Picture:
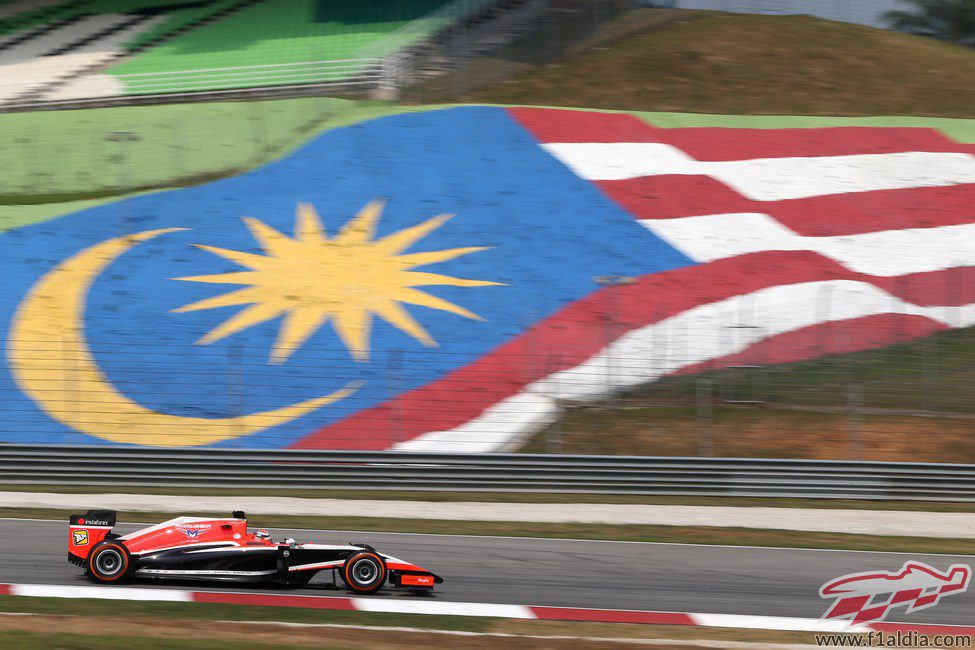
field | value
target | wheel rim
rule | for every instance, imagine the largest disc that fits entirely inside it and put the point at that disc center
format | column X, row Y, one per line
column 365, row 571
column 109, row 562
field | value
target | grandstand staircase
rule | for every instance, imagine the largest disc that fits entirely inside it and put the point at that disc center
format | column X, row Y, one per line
column 45, row 16
column 95, row 36
column 41, row 92
column 53, row 55
column 218, row 15
column 540, row 37
column 495, row 26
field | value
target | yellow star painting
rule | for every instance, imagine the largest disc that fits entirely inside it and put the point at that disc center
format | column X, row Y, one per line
column 311, row 279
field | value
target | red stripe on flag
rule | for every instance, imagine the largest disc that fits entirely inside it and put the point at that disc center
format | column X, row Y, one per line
column 273, row 600
column 725, row 143
column 720, row 143
column 558, row 125
column 951, row 287
column 611, row 616
column 579, row 330
column 660, row 197
column 673, row 196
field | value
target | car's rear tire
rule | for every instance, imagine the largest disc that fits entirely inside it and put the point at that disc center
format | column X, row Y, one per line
column 364, row 572
column 109, row 563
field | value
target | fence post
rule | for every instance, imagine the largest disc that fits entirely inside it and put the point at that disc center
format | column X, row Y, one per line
column 705, row 414
column 394, row 417
column 123, row 158
column 609, row 315
column 608, row 283
column 854, row 409
column 553, row 434
column 824, row 305
column 69, row 369
column 235, row 385
column 258, row 121
column 389, row 72
column 929, row 368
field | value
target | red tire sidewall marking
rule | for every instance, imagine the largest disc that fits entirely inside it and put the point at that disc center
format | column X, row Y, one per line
column 118, row 576
column 372, row 587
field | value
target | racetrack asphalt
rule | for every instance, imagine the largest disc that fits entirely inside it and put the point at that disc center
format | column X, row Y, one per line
column 556, row 572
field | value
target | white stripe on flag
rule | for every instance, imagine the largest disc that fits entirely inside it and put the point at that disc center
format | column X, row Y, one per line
column 883, row 253
column 701, row 333
column 770, row 179
column 500, row 425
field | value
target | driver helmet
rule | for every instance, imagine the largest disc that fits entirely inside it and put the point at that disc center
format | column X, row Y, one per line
column 262, row 534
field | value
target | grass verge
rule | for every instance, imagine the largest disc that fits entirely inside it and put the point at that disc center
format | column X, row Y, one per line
column 154, row 625
column 189, row 144
column 177, row 145
column 708, row 535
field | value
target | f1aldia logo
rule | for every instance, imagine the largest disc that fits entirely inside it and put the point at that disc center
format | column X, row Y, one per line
column 869, row 596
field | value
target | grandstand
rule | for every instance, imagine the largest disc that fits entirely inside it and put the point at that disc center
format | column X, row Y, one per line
column 82, row 49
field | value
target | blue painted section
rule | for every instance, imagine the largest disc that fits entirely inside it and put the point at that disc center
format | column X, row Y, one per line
column 549, row 232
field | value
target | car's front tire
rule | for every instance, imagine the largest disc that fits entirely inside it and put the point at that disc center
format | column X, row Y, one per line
column 109, row 563
column 364, row 572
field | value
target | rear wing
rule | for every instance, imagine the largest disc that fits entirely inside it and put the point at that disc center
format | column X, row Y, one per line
column 85, row 531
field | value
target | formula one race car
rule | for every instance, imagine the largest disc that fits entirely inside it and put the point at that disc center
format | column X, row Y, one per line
column 223, row 549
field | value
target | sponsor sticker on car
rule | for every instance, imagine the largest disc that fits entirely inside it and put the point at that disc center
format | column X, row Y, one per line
column 80, row 537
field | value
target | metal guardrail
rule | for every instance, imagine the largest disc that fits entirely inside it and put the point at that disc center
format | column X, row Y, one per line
column 299, row 470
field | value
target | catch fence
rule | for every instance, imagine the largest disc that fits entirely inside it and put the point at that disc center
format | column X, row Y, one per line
column 856, row 396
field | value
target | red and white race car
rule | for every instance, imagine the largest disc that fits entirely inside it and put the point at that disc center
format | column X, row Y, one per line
column 223, row 549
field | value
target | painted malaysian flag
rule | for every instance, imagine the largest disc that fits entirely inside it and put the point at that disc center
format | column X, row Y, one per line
column 437, row 280
column 819, row 241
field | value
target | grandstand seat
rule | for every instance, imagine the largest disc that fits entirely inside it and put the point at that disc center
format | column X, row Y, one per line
column 76, row 49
